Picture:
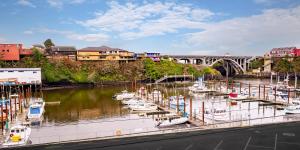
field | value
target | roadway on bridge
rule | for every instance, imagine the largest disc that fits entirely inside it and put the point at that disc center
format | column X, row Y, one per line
column 285, row 136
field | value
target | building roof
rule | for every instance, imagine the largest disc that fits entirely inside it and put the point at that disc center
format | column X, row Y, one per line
column 101, row 48
column 284, row 49
column 63, row 48
column 38, row 45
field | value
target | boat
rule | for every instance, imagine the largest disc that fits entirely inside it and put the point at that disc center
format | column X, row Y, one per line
column 143, row 107
column 294, row 108
column 132, row 101
column 236, row 96
column 36, row 110
column 171, row 121
column 156, row 94
column 218, row 114
column 181, row 104
column 124, row 95
column 18, row 136
column 199, row 87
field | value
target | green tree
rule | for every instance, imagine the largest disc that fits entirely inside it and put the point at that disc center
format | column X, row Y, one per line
column 283, row 66
column 296, row 68
column 37, row 55
column 255, row 64
column 48, row 43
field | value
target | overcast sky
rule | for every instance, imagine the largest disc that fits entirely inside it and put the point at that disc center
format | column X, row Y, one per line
column 202, row 27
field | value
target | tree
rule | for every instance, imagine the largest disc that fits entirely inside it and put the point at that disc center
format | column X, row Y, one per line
column 37, row 55
column 48, row 43
column 296, row 68
column 283, row 66
column 255, row 64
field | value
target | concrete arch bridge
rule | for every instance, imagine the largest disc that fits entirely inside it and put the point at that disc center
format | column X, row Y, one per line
column 234, row 64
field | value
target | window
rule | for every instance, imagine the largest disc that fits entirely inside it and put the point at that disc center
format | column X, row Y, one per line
column 22, row 130
column 7, row 50
column 34, row 72
column 10, row 71
column 12, row 131
column 17, row 131
column 21, row 71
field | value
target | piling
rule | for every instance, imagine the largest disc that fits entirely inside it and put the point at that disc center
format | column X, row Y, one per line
column 15, row 107
column 177, row 98
column 240, row 87
column 184, row 105
column 6, row 109
column 289, row 95
column 203, row 112
column 2, row 116
column 10, row 109
column 249, row 90
column 191, row 109
column 275, row 93
column 259, row 91
column 264, row 92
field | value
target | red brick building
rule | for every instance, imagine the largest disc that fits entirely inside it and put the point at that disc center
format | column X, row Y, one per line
column 10, row 52
column 13, row 52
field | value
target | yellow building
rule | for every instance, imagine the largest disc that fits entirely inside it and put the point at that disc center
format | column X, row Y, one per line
column 104, row 53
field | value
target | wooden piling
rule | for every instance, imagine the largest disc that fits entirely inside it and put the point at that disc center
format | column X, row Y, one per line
column 289, row 95
column 275, row 93
column 184, row 105
column 249, row 90
column 258, row 91
column 15, row 107
column 264, row 92
column 203, row 112
column 10, row 109
column 6, row 109
column 177, row 106
column 2, row 120
column 191, row 109
column 240, row 87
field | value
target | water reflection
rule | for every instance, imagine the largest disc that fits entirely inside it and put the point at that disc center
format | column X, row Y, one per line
column 82, row 104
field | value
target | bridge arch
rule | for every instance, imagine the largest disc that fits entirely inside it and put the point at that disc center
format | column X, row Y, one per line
column 238, row 68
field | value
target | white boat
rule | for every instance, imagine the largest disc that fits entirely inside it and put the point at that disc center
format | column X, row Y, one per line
column 124, row 95
column 173, row 100
column 218, row 114
column 18, row 136
column 199, row 87
column 170, row 121
column 132, row 101
column 36, row 110
column 294, row 108
column 143, row 107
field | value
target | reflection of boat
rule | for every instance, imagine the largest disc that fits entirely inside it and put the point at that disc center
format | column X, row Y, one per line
column 36, row 110
column 124, row 95
column 143, row 107
column 171, row 120
column 294, row 108
column 18, row 136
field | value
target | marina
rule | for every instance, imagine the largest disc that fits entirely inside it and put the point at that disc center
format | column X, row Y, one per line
column 84, row 113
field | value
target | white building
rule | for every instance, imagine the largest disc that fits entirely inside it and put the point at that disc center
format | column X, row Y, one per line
column 21, row 75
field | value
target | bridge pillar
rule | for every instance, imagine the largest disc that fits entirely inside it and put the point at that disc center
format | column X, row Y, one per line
column 245, row 65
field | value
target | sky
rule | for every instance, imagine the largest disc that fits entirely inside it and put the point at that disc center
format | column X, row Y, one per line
column 172, row 27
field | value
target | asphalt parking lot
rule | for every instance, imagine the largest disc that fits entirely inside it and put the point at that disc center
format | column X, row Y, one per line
column 284, row 136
